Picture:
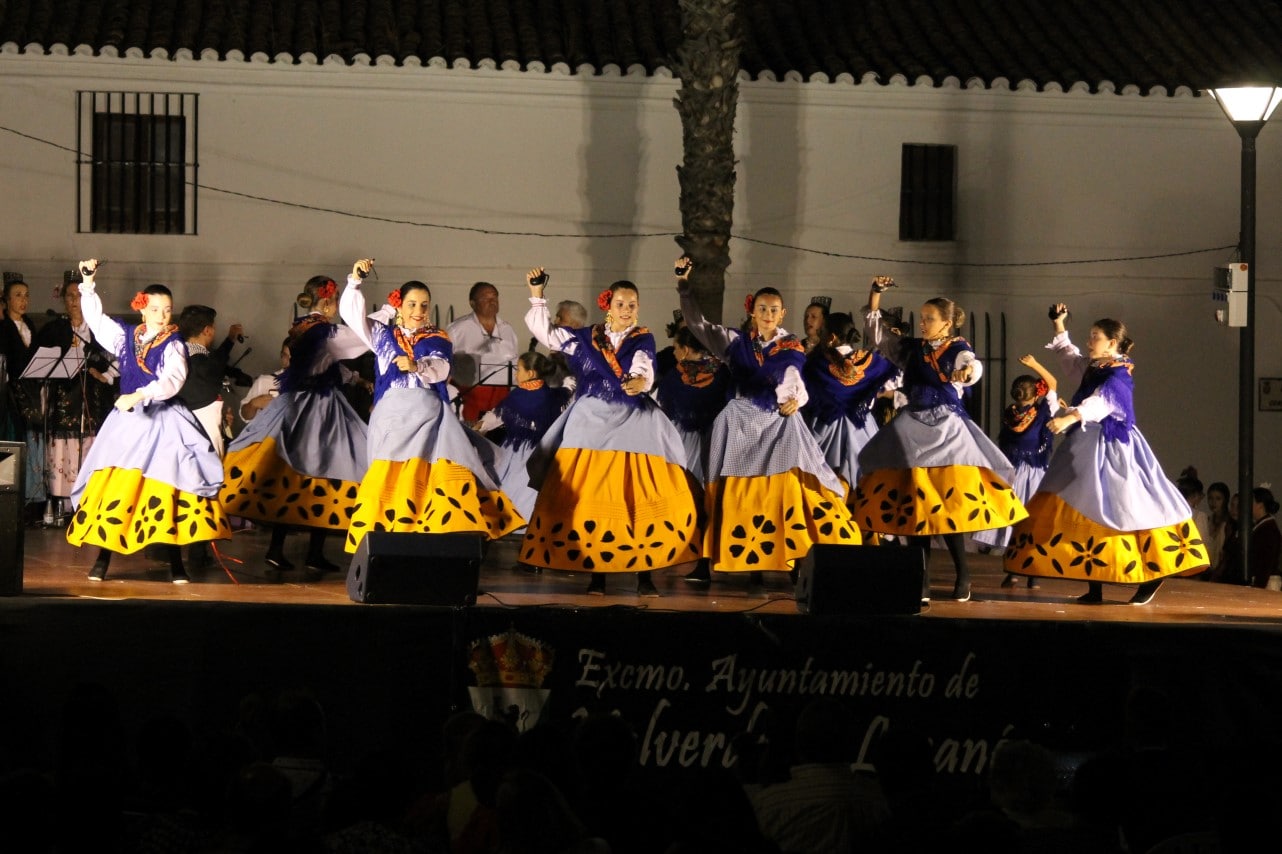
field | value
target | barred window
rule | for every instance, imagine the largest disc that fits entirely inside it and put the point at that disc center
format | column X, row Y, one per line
column 137, row 162
column 928, row 192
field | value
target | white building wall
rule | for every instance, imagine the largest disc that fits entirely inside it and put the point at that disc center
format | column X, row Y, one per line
column 505, row 159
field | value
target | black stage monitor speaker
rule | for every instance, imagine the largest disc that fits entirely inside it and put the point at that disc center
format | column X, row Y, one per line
column 416, row 569
column 860, row 580
column 13, row 467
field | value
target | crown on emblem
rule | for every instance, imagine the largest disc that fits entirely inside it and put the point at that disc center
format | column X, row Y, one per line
column 510, row 660
column 826, row 302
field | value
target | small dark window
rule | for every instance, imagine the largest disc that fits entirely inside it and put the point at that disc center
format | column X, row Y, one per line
column 138, row 163
column 928, row 192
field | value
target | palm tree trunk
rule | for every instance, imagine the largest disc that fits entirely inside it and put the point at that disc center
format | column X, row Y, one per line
column 708, row 65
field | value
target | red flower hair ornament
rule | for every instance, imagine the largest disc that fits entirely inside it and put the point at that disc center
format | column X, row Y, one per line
column 394, row 299
column 1042, row 388
column 748, row 302
column 327, row 290
column 139, row 302
column 604, row 298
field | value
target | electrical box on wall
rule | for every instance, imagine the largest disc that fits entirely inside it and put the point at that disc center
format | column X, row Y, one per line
column 1229, row 294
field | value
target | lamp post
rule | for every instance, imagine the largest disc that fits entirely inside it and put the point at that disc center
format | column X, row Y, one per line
column 1248, row 107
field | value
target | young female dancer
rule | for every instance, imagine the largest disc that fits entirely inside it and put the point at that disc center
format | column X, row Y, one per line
column 770, row 495
column 424, row 475
column 843, row 382
column 152, row 475
column 299, row 463
column 693, row 394
column 613, row 496
column 1105, row 512
column 1026, row 440
column 524, row 417
column 931, row 471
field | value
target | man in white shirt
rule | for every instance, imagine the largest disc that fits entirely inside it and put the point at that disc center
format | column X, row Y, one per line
column 485, row 351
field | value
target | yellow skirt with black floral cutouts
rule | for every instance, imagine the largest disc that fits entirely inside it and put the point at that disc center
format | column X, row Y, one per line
column 920, row 502
column 1057, row 541
column 124, row 511
column 260, row 485
column 767, row 522
column 612, row 511
column 416, row 496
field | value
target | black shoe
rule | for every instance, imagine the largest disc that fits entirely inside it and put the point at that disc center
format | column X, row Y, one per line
column 645, row 586
column 1093, row 596
column 961, row 592
column 99, row 570
column 320, row 564
column 756, row 585
column 1032, row 583
column 1146, row 592
column 701, row 575
column 316, row 566
column 530, row 570
column 1009, row 581
column 596, row 587
column 178, row 575
column 278, row 562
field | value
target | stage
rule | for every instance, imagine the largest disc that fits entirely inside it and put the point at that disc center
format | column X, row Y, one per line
column 694, row 670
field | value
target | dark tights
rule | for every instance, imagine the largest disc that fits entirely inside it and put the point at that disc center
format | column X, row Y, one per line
column 175, row 559
column 956, row 544
column 315, row 543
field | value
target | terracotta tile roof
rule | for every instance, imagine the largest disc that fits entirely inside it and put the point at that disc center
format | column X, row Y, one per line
column 1155, row 46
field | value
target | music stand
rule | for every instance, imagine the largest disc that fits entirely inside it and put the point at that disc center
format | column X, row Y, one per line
column 51, row 363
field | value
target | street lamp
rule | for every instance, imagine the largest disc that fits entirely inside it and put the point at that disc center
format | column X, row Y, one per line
column 1248, row 107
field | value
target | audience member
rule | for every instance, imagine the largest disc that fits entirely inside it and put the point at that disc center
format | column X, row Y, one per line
column 1191, row 488
column 1148, row 786
column 614, row 798
column 533, row 817
column 1217, row 507
column 1266, row 539
column 1230, row 569
column 825, row 806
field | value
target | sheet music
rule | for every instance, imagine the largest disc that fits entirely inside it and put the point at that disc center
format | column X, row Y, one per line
column 49, row 363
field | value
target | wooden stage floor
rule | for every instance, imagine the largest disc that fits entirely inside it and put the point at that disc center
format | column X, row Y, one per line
column 55, row 570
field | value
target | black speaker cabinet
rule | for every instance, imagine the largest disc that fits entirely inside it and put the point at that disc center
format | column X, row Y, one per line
column 13, row 468
column 860, row 580
column 416, row 569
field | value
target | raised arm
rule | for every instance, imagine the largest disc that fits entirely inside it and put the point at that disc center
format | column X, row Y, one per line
column 351, row 305
column 1030, row 361
column 105, row 330
column 1071, row 359
column 715, row 337
column 538, row 319
column 875, row 332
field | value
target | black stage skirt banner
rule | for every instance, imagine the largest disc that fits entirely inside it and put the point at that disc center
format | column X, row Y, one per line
column 700, row 690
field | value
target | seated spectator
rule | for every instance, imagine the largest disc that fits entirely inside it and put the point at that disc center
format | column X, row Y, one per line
column 825, row 805
column 533, row 817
